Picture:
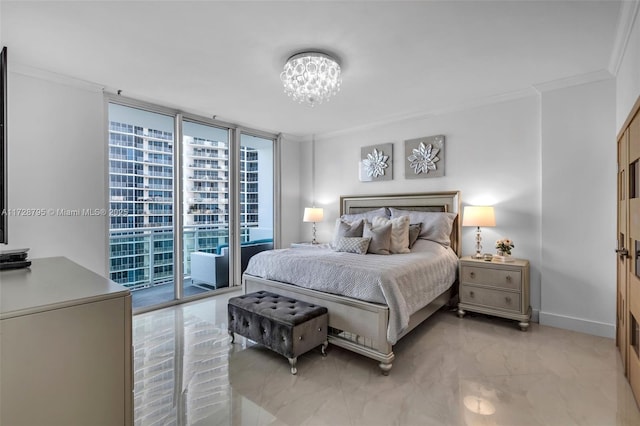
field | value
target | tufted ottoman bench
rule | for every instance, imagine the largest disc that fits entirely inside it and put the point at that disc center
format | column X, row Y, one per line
column 287, row 326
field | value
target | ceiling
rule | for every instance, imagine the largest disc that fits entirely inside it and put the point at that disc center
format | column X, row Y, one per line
column 399, row 59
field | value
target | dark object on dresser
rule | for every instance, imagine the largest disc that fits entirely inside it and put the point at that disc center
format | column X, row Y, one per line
column 287, row 326
column 14, row 259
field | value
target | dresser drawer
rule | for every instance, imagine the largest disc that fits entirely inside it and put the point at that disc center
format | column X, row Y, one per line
column 494, row 277
column 490, row 298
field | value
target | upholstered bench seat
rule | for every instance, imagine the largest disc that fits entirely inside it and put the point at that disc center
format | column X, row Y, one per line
column 287, row 326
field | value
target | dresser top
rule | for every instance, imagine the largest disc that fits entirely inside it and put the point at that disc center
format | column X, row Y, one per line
column 52, row 283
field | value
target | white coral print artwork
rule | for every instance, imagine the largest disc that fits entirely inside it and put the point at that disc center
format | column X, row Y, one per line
column 424, row 157
column 376, row 163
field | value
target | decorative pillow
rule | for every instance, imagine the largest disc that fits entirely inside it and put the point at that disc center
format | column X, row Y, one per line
column 399, row 232
column 436, row 226
column 347, row 229
column 369, row 215
column 380, row 237
column 358, row 245
column 414, row 231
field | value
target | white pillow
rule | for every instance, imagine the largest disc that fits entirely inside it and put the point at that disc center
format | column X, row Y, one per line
column 399, row 232
column 436, row 226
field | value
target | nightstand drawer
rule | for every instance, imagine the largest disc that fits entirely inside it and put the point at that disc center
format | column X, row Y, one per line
column 490, row 298
column 493, row 277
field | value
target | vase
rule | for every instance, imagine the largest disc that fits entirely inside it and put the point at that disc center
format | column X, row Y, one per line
column 503, row 256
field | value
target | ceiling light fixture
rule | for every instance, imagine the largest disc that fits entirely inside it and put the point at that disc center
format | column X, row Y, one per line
column 311, row 77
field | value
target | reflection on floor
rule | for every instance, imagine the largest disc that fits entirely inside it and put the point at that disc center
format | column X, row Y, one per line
column 449, row 371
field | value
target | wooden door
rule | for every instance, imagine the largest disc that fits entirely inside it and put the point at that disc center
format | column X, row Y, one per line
column 622, row 329
column 633, row 259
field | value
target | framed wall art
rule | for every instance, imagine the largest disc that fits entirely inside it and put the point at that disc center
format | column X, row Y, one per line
column 424, row 157
column 376, row 163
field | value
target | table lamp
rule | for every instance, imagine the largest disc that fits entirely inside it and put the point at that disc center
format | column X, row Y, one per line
column 478, row 216
column 313, row 215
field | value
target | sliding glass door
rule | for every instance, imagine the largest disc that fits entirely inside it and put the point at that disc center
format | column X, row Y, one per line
column 256, row 196
column 141, row 150
column 256, row 176
column 195, row 200
column 205, row 200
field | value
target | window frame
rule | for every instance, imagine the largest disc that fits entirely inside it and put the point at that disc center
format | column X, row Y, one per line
column 235, row 132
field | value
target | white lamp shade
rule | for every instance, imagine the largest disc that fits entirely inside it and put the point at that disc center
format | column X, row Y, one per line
column 478, row 216
column 313, row 214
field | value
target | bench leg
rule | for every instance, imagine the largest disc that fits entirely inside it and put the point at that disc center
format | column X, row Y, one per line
column 233, row 336
column 324, row 347
column 293, row 362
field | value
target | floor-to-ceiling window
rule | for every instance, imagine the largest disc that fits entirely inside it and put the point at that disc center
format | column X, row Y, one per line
column 205, row 200
column 179, row 180
column 141, row 150
column 256, row 195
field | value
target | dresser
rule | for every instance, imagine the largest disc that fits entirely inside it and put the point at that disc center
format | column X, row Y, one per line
column 495, row 288
column 65, row 346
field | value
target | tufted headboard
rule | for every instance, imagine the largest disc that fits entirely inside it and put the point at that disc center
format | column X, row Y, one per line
column 429, row 201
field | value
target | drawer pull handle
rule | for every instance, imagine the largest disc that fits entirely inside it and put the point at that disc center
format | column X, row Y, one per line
column 508, row 299
column 472, row 274
column 508, row 278
column 471, row 294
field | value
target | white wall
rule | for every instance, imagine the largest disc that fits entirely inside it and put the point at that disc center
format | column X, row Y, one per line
column 579, row 208
column 293, row 165
column 492, row 156
column 527, row 157
column 57, row 161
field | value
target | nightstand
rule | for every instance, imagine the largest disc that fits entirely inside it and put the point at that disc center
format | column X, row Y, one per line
column 495, row 288
column 309, row 245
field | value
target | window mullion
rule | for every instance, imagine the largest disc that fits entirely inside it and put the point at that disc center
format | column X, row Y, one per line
column 178, row 218
column 234, row 207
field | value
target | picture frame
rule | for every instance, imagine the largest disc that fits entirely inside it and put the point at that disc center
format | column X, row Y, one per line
column 424, row 157
column 376, row 163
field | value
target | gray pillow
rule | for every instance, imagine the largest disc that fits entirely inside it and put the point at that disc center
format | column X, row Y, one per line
column 399, row 233
column 347, row 229
column 380, row 238
column 436, row 226
column 358, row 245
column 414, row 232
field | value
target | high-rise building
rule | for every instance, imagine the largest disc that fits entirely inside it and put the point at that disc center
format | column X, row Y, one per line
column 141, row 182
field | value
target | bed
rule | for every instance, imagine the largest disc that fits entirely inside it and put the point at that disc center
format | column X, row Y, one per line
column 367, row 324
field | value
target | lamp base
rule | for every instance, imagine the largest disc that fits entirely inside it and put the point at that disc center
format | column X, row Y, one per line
column 478, row 254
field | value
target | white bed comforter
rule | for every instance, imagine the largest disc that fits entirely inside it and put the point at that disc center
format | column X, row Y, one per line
column 404, row 282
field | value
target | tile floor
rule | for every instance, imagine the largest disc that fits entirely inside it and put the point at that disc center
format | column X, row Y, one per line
column 449, row 371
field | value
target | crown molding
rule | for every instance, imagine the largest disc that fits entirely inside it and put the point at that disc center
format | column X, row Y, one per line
column 65, row 80
column 626, row 20
column 575, row 80
column 396, row 119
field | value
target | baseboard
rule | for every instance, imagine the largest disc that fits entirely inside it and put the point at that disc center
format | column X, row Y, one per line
column 578, row 324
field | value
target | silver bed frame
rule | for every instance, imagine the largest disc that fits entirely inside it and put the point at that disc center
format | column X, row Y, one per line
column 362, row 326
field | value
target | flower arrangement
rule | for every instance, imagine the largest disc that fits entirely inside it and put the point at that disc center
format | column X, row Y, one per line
column 504, row 245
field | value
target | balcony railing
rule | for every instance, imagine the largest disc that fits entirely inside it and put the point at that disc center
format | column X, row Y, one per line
column 133, row 251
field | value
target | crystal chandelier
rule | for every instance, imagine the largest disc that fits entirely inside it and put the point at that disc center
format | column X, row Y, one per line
column 311, row 77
